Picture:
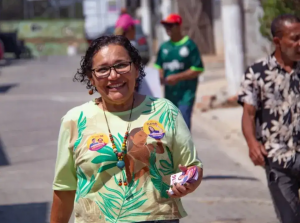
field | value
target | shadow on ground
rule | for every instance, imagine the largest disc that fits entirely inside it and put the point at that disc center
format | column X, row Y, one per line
column 6, row 87
column 228, row 177
column 25, row 213
column 3, row 158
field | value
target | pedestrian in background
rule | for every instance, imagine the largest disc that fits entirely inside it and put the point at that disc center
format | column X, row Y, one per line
column 179, row 64
column 270, row 95
column 125, row 26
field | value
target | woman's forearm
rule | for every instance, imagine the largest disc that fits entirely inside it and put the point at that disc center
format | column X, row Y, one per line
column 62, row 207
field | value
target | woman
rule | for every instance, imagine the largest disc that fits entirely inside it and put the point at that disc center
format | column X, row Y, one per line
column 125, row 26
column 122, row 182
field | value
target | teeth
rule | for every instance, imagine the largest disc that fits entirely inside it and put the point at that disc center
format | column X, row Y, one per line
column 116, row 85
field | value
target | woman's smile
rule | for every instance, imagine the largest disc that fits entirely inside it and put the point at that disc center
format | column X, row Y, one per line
column 116, row 86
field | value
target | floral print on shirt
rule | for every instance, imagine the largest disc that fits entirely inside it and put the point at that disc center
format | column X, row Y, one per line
column 275, row 93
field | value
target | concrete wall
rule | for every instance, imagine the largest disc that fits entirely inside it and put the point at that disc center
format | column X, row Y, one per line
column 218, row 27
column 256, row 46
column 48, row 37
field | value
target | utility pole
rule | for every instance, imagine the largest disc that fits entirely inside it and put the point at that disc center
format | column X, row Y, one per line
column 146, row 22
column 233, row 44
column 166, row 9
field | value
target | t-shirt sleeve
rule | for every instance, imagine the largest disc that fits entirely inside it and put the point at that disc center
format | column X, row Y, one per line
column 195, row 59
column 249, row 89
column 65, row 172
column 159, row 63
column 184, row 150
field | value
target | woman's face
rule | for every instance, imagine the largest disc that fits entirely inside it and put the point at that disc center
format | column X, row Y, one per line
column 115, row 88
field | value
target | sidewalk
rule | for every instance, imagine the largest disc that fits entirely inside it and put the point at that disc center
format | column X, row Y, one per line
column 224, row 124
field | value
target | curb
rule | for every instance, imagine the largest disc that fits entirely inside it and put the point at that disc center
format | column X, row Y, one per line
column 230, row 142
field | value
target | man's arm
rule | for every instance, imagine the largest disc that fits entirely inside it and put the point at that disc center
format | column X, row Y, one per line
column 256, row 149
column 161, row 76
column 62, row 207
column 187, row 75
column 248, row 122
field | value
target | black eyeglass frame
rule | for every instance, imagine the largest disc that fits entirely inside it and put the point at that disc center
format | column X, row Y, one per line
column 114, row 67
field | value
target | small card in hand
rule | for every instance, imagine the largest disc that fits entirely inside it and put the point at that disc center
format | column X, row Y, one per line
column 190, row 176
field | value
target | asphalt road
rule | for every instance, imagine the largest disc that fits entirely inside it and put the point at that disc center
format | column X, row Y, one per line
column 35, row 94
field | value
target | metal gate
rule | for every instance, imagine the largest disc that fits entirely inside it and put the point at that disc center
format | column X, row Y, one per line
column 197, row 23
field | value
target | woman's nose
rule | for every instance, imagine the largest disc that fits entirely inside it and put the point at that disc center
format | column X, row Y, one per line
column 113, row 74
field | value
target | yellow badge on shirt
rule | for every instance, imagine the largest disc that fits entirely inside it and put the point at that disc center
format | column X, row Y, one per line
column 154, row 129
column 97, row 141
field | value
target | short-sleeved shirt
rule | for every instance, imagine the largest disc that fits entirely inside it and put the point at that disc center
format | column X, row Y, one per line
column 177, row 57
column 275, row 93
column 158, row 142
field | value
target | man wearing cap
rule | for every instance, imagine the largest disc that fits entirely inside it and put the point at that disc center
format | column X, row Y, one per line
column 179, row 64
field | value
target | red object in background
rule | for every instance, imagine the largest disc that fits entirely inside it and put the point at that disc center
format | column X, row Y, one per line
column 142, row 41
column 89, row 41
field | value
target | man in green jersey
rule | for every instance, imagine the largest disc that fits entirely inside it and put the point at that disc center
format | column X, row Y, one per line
column 180, row 64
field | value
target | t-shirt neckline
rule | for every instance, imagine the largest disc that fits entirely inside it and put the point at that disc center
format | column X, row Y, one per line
column 127, row 112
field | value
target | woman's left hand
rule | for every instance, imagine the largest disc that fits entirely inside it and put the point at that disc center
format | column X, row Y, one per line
column 182, row 190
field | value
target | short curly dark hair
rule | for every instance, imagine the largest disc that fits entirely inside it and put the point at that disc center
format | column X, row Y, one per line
column 85, row 71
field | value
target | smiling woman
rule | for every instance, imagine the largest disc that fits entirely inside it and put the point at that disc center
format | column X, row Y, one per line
column 117, row 152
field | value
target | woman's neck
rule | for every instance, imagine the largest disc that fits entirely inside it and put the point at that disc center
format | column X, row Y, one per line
column 125, row 106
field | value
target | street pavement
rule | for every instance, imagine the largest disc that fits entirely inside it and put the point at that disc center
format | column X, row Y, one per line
column 35, row 94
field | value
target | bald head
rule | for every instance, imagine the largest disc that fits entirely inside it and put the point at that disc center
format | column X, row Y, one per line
column 280, row 22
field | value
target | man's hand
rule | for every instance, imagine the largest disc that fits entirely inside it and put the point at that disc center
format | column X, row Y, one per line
column 171, row 80
column 257, row 152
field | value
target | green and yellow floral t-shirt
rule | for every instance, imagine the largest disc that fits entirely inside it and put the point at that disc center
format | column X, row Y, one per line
column 158, row 142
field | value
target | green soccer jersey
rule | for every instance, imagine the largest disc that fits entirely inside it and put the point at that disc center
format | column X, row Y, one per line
column 177, row 57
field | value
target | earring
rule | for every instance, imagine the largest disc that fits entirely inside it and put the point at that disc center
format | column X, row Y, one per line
column 91, row 91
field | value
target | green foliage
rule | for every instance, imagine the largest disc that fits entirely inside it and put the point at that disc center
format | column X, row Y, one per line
column 122, row 204
column 167, row 168
column 169, row 112
column 156, row 178
column 84, row 185
column 107, row 158
column 81, row 125
column 274, row 8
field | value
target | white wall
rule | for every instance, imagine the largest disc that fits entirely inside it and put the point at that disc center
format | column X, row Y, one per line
column 256, row 45
column 218, row 27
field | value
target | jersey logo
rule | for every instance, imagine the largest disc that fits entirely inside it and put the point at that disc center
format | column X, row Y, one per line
column 165, row 51
column 174, row 65
column 184, row 51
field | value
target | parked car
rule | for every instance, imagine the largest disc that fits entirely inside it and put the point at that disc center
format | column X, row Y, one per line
column 140, row 39
column 12, row 44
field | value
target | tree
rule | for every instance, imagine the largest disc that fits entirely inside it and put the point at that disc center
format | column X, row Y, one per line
column 274, row 8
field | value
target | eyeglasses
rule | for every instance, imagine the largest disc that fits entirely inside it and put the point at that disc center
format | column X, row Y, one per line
column 120, row 68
